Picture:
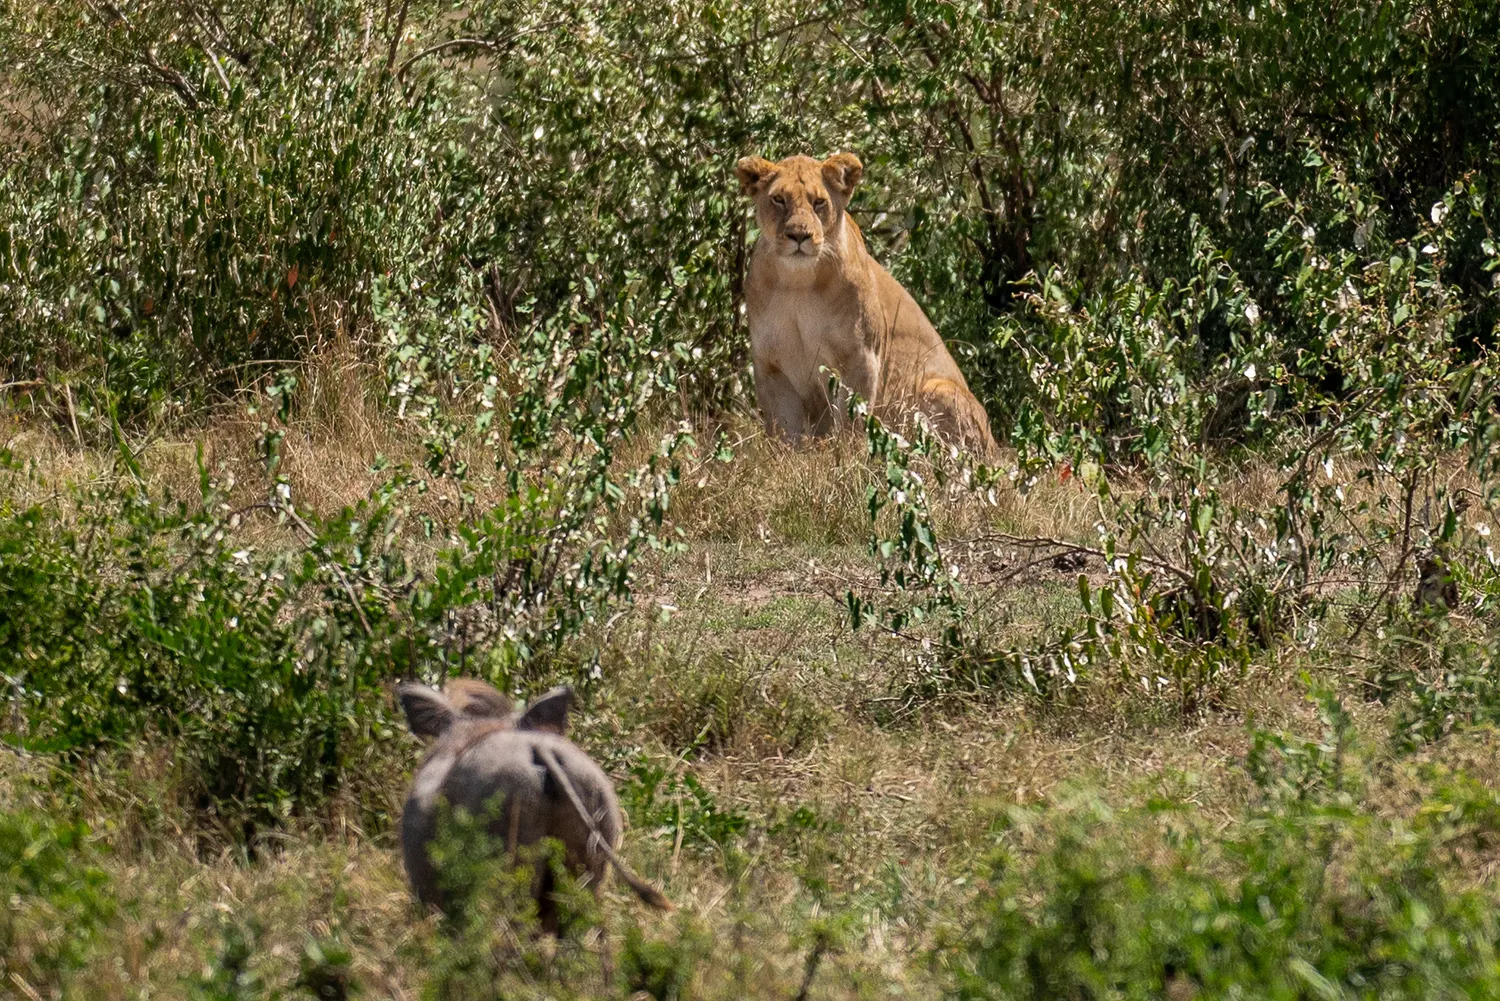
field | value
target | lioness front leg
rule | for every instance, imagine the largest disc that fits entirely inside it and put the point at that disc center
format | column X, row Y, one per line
column 781, row 409
column 858, row 372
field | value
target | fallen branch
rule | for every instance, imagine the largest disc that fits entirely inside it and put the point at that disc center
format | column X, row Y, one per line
column 1039, row 542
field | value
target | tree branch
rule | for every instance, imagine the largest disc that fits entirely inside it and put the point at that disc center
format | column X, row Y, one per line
column 179, row 83
column 390, row 58
column 1038, row 542
column 312, row 539
column 474, row 43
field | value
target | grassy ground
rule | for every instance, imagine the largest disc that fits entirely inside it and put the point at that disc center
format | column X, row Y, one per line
column 784, row 789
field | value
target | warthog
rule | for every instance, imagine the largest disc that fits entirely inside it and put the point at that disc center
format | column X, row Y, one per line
column 520, row 772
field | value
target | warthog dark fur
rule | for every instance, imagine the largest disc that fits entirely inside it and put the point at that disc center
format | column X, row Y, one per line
column 517, row 770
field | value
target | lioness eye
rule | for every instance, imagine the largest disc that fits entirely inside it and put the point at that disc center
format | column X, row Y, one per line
column 820, row 204
column 778, row 201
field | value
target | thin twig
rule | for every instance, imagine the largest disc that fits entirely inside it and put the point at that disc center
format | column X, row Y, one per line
column 72, row 416
column 218, row 67
column 24, row 987
column 1387, row 593
column 476, row 43
column 312, row 538
column 1012, row 573
column 779, row 30
column 253, row 363
column 390, row 58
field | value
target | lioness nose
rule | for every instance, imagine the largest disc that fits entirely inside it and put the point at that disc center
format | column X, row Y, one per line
column 797, row 232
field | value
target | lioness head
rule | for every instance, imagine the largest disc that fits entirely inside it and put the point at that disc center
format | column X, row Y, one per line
column 800, row 201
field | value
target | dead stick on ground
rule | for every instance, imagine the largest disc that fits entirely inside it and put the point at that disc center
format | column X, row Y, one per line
column 814, row 959
column 72, row 415
column 1038, row 542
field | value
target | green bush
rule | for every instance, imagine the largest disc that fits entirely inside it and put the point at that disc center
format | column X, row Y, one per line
column 1358, row 393
column 54, row 897
column 492, row 948
column 229, row 973
column 146, row 623
column 663, row 969
column 1441, row 684
column 265, row 673
column 680, row 806
column 193, row 197
column 1168, row 242
column 1312, row 892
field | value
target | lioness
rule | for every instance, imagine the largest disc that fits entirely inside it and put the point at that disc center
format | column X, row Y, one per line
column 816, row 298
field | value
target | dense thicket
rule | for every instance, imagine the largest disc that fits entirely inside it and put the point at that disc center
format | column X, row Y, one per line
column 191, row 192
column 1154, row 230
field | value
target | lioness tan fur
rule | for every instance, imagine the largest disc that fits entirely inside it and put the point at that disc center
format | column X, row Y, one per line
column 817, row 299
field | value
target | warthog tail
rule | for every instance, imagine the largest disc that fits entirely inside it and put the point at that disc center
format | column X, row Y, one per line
column 648, row 893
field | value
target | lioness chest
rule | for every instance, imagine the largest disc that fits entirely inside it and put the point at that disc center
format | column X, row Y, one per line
column 800, row 331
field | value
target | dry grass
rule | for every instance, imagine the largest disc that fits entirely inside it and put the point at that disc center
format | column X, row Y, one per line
column 901, row 815
column 735, row 668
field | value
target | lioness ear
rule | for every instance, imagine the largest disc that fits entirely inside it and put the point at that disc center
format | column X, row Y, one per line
column 841, row 172
column 550, row 712
column 428, row 713
column 753, row 171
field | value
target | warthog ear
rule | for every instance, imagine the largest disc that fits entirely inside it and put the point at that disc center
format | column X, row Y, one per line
column 841, row 172
column 473, row 697
column 428, row 713
column 550, row 712
column 753, row 171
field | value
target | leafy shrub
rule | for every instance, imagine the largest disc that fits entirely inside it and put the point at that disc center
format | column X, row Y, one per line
column 661, row 968
column 56, row 898
column 173, row 635
column 229, row 974
column 249, row 182
column 1312, row 893
column 265, row 673
column 1357, row 395
column 718, row 702
column 1444, row 685
column 492, row 947
column 254, row 185
column 325, row 972
column 575, row 516
column 241, row 179
column 676, row 803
